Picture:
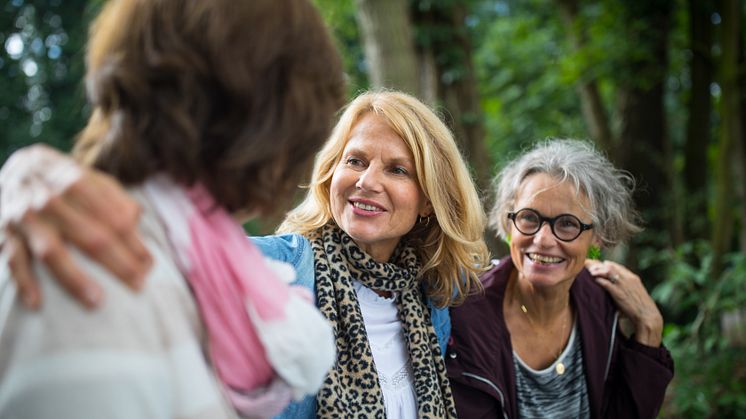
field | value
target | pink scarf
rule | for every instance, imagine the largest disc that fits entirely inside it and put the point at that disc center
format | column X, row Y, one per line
column 267, row 341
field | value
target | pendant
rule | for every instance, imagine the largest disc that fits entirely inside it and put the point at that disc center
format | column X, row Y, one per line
column 560, row 368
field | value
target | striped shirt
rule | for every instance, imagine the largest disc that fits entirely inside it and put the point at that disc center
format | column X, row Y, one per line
column 546, row 394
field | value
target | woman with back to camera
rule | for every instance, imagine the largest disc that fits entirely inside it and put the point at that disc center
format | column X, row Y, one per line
column 389, row 235
column 543, row 340
column 192, row 101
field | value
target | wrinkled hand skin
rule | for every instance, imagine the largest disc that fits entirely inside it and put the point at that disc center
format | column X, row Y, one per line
column 631, row 298
column 48, row 201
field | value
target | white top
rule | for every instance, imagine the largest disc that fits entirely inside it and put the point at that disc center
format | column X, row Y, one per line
column 390, row 354
column 139, row 355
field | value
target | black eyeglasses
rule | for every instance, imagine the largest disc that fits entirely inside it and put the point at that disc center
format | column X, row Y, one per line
column 565, row 227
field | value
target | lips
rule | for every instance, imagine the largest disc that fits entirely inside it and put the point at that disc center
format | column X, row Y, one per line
column 544, row 259
column 366, row 207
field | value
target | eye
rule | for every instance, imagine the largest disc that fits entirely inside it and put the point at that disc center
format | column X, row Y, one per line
column 528, row 217
column 399, row 170
column 568, row 223
column 353, row 161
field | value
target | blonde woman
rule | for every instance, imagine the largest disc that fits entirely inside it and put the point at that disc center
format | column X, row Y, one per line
column 388, row 236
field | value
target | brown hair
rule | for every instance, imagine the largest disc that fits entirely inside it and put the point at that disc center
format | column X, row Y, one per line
column 235, row 94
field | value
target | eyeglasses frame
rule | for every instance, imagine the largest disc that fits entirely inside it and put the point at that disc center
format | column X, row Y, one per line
column 550, row 221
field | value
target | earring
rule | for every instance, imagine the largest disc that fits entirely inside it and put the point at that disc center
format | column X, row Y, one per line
column 426, row 221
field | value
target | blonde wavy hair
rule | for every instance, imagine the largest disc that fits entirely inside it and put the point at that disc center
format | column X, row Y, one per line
column 451, row 245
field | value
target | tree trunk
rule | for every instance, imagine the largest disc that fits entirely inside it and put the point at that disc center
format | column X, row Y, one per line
column 643, row 146
column 461, row 98
column 698, row 125
column 591, row 104
column 730, row 133
column 741, row 157
column 389, row 44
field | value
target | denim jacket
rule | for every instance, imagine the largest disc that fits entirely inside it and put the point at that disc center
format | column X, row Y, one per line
column 296, row 250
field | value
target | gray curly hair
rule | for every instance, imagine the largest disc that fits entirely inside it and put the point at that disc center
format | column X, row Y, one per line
column 608, row 189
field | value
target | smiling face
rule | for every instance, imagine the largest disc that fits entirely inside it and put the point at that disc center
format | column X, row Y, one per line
column 375, row 196
column 542, row 259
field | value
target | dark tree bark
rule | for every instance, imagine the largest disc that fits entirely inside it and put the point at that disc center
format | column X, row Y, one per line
column 594, row 111
column 457, row 90
column 698, row 124
column 644, row 147
column 731, row 132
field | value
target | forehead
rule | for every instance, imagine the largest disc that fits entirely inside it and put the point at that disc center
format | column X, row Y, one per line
column 551, row 196
column 372, row 134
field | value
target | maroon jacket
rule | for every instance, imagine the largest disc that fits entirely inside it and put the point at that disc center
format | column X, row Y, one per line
column 624, row 378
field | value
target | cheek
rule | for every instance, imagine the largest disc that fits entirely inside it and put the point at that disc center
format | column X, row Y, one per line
column 413, row 206
column 336, row 194
column 515, row 252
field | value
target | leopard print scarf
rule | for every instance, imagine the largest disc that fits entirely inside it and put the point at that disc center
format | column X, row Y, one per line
column 351, row 390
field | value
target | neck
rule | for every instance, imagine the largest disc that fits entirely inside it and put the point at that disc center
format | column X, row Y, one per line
column 543, row 306
column 380, row 253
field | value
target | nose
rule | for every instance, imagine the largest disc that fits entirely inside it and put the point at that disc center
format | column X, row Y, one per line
column 544, row 237
column 369, row 180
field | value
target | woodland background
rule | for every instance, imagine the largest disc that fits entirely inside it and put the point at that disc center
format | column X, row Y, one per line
column 659, row 85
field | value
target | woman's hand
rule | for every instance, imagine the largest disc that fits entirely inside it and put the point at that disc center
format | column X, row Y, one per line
column 47, row 200
column 632, row 298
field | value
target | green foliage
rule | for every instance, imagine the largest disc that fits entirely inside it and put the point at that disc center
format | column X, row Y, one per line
column 525, row 97
column 339, row 16
column 41, row 68
column 710, row 376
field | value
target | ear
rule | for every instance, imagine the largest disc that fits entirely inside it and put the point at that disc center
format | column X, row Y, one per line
column 426, row 209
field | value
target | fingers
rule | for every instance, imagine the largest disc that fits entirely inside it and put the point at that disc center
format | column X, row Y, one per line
column 122, row 254
column 105, row 199
column 631, row 297
column 46, row 245
column 19, row 262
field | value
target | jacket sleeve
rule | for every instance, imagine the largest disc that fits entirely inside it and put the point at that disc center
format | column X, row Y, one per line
column 293, row 249
column 303, row 409
column 638, row 381
column 442, row 324
column 473, row 403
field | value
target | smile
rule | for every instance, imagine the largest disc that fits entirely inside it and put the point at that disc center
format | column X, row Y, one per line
column 543, row 259
column 366, row 207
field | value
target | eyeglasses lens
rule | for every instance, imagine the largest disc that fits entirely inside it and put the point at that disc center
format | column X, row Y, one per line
column 566, row 227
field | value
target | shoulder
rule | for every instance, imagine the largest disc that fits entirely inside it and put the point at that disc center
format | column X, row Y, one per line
column 590, row 298
column 293, row 249
column 484, row 302
column 478, row 323
column 286, row 247
column 498, row 275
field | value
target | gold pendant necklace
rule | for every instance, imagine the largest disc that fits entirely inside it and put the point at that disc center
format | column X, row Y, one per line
column 559, row 367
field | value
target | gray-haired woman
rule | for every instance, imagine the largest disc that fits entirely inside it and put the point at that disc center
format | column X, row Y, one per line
column 543, row 339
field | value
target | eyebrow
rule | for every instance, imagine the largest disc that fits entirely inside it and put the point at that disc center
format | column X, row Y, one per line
column 406, row 161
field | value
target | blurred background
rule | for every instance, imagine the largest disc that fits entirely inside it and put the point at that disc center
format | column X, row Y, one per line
column 660, row 86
